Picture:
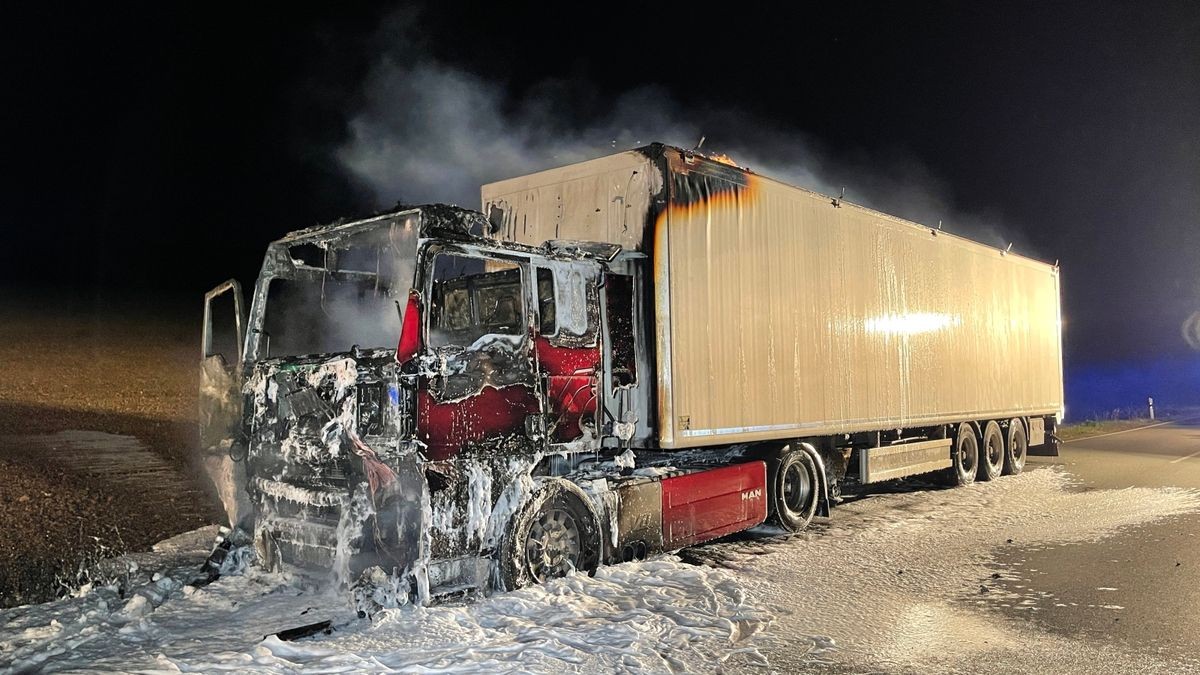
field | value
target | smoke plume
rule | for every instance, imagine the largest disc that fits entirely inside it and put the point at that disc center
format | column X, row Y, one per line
column 430, row 132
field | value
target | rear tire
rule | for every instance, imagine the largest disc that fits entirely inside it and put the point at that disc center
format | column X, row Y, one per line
column 1016, row 447
column 552, row 534
column 991, row 453
column 965, row 456
column 793, row 488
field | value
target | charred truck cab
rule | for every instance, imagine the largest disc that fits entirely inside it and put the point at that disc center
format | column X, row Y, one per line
column 431, row 401
column 490, row 446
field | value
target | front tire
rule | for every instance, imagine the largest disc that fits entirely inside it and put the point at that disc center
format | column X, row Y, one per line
column 553, row 534
column 991, row 456
column 794, row 490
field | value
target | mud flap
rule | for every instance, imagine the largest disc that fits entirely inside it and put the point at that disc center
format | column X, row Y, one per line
column 1047, row 449
column 1042, row 440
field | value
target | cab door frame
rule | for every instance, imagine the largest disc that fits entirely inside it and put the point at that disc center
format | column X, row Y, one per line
column 222, row 445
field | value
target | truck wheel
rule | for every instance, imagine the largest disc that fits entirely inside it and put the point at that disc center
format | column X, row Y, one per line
column 991, row 456
column 1015, row 447
column 794, row 490
column 553, row 534
column 966, row 456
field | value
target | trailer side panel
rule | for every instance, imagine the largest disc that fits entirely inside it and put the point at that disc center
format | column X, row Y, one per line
column 791, row 314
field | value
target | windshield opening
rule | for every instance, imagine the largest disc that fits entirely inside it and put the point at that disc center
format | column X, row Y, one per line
column 328, row 294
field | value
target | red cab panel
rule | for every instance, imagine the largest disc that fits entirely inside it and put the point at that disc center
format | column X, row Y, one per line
column 566, row 360
column 570, row 384
column 410, row 331
column 490, row 414
column 709, row 504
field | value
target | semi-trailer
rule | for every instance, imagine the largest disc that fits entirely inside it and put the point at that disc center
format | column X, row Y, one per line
column 612, row 359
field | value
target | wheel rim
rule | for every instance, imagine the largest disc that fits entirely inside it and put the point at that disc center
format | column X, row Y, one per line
column 1018, row 449
column 995, row 451
column 966, row 458
column 797, row 488
column 552, row 547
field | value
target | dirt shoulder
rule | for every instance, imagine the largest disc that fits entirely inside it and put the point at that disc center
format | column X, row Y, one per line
column 125, row 367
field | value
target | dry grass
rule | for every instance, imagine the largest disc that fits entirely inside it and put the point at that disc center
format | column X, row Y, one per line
column 1070, row 432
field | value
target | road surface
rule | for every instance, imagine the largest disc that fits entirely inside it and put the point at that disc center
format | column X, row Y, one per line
column 1153, row 569
column 1084, row 563
column 1093, row 571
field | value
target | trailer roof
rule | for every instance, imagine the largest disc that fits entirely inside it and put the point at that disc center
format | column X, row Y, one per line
column 657, row 152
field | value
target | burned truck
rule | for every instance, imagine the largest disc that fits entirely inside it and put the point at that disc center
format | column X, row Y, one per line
column 612, row 359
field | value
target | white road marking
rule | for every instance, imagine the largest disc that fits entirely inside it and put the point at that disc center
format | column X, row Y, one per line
column 1123, row 431
column 1176, row 461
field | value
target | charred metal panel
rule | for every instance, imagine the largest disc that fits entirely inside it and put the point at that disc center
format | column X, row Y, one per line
column 628, row 352
column 606, row 199
column 427, row 220
column 708, row 504
column 221, row 439
column 620, row 299
column 570, row 377
column 332, row 483
column 463, row 373
column 568, row 343
column 477, row 374
column 572, row 400
column 565, row 360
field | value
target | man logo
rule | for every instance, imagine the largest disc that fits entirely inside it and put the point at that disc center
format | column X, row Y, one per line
column 756, row 493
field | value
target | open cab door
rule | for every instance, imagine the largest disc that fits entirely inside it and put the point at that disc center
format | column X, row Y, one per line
column 221, row 444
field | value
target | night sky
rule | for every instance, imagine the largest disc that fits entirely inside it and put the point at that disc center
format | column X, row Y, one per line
column 162, row 148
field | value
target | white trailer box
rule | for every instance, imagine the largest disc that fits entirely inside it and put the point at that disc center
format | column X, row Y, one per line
column 780, row 312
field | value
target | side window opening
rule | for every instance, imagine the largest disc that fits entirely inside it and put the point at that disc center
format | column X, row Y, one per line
column 224, row 343
column 568, row 304
column 472, row 298
column 619, row 299
column 545, row 293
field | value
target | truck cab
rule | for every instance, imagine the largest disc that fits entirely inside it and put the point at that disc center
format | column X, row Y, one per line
column 451, row 410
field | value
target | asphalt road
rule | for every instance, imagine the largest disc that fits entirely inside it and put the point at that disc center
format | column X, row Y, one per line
column 1151, row 572
column 1087, row 563
column 1026, row 574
